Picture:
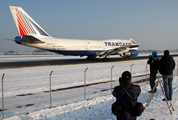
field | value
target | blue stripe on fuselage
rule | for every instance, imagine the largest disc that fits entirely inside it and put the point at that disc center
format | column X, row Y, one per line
column 77, row 52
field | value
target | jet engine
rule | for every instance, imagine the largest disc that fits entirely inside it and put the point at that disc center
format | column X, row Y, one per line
column 130, row 53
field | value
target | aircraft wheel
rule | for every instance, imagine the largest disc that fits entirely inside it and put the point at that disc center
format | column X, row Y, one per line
column 91, row 57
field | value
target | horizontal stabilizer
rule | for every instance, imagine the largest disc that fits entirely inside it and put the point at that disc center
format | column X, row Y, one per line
column 31, row 39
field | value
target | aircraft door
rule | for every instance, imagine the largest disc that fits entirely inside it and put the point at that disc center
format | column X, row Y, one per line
column 87, row 46
column 103, row 46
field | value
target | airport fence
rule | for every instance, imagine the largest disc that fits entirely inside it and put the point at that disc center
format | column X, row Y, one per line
column 25, row 91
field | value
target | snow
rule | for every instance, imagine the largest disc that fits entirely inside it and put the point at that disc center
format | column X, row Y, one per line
column 74, row 107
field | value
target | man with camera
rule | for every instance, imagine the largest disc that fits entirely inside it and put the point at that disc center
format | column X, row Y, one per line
column 153, row 61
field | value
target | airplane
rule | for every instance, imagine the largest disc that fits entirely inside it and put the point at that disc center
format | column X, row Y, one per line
column 32, row 35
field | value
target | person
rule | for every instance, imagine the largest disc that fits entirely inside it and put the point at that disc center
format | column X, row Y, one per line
column 153, row 61
column 166, row 67
column 119, row 94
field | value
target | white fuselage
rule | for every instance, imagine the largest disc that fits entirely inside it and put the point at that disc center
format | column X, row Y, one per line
column 51, row 43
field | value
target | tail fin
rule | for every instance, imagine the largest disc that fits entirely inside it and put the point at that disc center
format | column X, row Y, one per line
column 25, row 24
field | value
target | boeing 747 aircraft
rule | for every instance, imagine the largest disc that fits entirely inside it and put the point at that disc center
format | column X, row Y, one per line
column 31, row 34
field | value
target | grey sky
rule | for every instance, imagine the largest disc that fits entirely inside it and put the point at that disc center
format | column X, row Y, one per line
column 152, row 23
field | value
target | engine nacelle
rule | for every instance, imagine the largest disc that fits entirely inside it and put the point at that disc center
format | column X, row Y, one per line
column 18, row 40
column 130, row 53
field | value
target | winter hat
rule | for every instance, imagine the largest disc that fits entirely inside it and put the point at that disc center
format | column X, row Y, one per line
column 154, row 53
column 166, row 52
column 126, row 75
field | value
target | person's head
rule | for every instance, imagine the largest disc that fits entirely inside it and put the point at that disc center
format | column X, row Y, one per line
column 126, row 76
column 166, row 52
column 154, row 53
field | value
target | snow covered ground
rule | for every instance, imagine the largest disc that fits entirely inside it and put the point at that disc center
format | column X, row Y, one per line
column 36, row 79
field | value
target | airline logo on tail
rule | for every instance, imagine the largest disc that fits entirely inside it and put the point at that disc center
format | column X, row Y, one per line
column 26, row 24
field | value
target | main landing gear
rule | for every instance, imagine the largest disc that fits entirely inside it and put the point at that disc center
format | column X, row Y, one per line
column 91, row 58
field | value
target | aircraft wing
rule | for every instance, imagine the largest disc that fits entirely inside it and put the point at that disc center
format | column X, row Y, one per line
column 119, row 50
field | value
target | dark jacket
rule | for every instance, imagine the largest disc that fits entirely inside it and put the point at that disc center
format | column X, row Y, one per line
column 119, row 94
column 166, row 65
column 154, row 64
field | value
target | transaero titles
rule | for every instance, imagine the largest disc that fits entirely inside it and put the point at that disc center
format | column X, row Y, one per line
column 116, row 44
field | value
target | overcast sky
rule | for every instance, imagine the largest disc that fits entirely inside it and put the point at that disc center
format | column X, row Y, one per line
column 152, row 23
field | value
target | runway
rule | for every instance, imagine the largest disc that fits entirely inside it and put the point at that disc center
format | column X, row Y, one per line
column 63, row 61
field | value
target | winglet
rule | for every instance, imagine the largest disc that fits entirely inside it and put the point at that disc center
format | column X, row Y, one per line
column 132, row 41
